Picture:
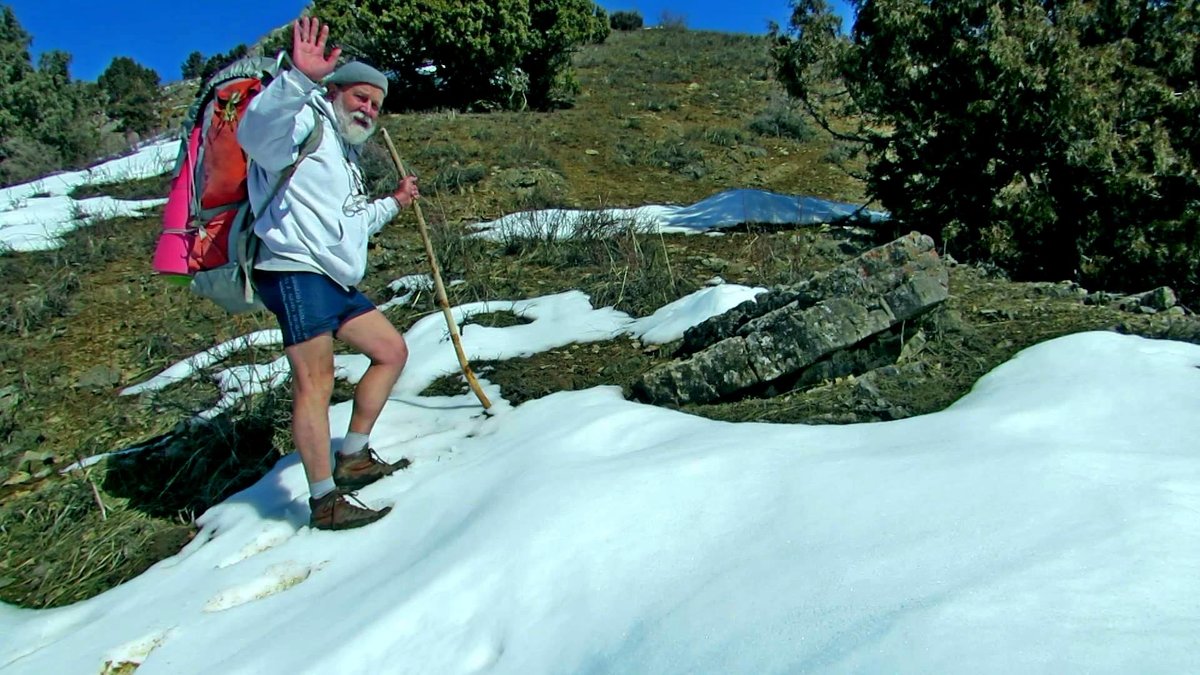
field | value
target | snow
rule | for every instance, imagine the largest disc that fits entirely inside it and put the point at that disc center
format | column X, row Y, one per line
column 189, row 366
column 1046, row 522
column 670, row 321
column 408, row 287
column 555, row 321
column 35, row 215
column 722, row 210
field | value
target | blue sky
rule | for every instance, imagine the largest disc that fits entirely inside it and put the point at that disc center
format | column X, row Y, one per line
column 161, row 33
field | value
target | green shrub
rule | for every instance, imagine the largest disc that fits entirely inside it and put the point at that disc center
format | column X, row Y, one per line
column 536, row 232
column 154, row 187
column 527, row 151
column 665, row 74
column 458, row 253
column 193, row 66
column 726, row 137
column 47, row 121
column 599, row 29
column 379, row 169
column 442, row 153
column 131, row 93
column 1056, row 139
column 674, row 154
column 23, row 158
column 659, row 105
column 38, row 286
column 679, row 157
column 29, row 306
column 488, row 53
column 625, row 20
column 457, row 178
column 782, row 121
column 557, row 28
column 636, row 275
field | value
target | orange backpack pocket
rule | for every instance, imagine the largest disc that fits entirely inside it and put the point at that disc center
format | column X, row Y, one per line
column 210, row 248
column 224, row 162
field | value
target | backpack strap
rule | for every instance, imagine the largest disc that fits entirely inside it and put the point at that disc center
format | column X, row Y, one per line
column 247, row 243
column 308, row 147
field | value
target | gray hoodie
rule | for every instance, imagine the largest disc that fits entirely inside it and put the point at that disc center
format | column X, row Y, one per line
column 322, row 218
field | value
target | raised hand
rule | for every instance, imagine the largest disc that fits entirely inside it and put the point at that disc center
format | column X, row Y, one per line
column 308, row 48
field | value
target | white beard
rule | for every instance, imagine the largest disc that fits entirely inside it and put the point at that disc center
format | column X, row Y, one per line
column 352, row 132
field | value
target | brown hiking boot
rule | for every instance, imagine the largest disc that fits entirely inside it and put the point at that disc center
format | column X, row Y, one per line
column 335, row 512
column 354, row 472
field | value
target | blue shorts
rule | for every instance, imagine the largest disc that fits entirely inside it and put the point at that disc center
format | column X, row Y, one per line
column 308, row 304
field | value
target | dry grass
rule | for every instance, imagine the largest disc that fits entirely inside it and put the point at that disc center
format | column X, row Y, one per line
column 97, row 527
column 154, row 187
column 37, row 287
column 661, row 117
column 60, row 547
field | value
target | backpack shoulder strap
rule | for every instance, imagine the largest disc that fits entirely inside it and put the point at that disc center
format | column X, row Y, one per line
column 246, row 246
column 308, row 147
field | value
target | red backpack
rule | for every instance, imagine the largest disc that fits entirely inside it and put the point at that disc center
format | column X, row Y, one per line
column 208, row 223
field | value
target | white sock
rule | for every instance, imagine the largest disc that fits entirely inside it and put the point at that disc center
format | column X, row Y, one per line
column 353, row 443
column 321, row 488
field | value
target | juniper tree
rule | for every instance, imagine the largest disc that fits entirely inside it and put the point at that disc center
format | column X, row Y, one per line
column 486, row 53
column 193, row 66
column 132, row 94
column 1054, row 137
column 47, row 121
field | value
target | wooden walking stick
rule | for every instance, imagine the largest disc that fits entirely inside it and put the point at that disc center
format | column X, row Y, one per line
column 439, row 288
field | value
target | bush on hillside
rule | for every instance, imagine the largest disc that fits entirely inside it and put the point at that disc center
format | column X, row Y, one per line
column 467, row 53
column 782, row 121
column 131, row 94
column 216, row 62
column 278, row 40
column 193, row 66
column 1055, row 138
column 600, row 29
column 47, row 122
column 557, row 28
column 15, row 67
column 625, row 21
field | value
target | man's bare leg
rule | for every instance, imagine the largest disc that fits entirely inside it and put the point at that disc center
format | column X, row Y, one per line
column 374, row 336
column 312, row 387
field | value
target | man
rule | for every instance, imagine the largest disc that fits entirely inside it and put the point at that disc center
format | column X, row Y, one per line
column 313, row 253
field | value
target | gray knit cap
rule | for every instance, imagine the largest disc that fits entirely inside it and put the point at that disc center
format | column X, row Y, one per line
column 356, row 72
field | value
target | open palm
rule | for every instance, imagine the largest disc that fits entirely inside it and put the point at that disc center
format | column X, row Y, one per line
column 308, row 49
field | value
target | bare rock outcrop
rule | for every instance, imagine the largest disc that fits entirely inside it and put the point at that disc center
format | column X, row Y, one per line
column 828, row 320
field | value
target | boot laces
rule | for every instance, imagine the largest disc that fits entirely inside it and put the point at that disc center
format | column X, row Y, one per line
column 350, row 496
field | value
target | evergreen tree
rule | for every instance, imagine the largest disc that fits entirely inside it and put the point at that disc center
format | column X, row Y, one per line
column 132, row 94
column 47, row 122
column 557, row 28
column 15, row 66
column 487, row 53
column 631, row 20
column 218, row 61
column 1054, row 137
column 193, row 66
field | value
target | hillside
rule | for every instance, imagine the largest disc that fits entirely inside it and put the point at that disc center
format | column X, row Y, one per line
column 663, row 117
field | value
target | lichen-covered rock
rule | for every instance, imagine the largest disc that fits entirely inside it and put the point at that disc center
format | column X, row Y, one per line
column 789, row 330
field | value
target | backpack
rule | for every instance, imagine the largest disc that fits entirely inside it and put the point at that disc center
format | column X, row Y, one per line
column 208, row 238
